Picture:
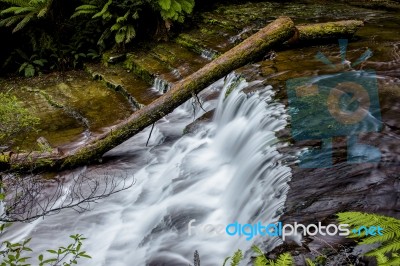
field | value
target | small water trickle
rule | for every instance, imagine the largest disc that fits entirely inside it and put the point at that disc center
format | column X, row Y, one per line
column 161, row 85
column 208, row 54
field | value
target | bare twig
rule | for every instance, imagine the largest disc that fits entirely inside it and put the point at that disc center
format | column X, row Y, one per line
column 151, row 131
column 31, row 197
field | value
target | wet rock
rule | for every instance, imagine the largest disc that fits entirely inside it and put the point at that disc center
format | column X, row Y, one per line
column 197, row 124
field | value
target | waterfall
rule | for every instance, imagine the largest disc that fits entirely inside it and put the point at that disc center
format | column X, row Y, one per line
column 229, row 170
column 161, row 85
column 208, row 54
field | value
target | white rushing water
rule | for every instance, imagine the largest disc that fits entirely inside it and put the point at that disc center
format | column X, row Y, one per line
column 228, row 170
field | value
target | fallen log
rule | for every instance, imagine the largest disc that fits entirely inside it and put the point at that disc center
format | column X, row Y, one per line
column 309, row 33
column 250, row 49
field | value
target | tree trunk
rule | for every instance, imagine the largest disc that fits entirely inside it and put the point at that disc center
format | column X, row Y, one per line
column 276, row 33
column 250, row 49
column 306, row 34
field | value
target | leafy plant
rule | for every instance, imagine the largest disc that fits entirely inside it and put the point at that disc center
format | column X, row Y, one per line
column 235, row 259
column 16, row 254
column 117, row 16
column 175, row 9
column 32, row 66
column 388, row 253
column 23, row 11
column 284, row 259
column 310, row 262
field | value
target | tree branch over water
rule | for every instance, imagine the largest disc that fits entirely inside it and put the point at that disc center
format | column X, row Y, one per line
column 31, row 197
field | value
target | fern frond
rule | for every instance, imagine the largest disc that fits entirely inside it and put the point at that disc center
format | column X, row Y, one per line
column 285, row 259
column 390, row 240
column 260, row 260
column 85, row 10
column 23, row 22
column 390, row 225
column 24, row 12
column 21, row 10
column 310, row 262
column 10, row 21
column 130, row 33
column 389, row 247
column 391, row 262
column 44, row 8
column 381, row 258
column 104, row 10
column 237, row 258
column 16, row 2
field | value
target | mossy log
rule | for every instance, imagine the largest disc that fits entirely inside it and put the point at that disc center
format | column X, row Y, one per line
column 309, row 33
column 250, row 49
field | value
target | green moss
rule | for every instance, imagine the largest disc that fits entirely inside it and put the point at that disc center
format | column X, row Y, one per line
column 50, row 99
column 328, row 30
column 4, row 158
column 190, row 43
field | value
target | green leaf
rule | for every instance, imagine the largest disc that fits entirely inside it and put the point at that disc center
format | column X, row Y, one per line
column 120, row 35
column 165, row 4
column 116, row 27
column 29, row 71
column 49, row 260
column 104, row 10
column 52, row 251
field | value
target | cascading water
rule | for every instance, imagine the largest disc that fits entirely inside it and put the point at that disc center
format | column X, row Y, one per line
column 161, row 85
column 229, row 170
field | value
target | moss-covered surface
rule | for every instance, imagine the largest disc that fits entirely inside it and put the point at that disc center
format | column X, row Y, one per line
column 55, row 125
column 124, row 81
column 146, row 66
column 180, row 58
column 329, row 30
column 67, row 106
column 101, row 106
column 208, row 48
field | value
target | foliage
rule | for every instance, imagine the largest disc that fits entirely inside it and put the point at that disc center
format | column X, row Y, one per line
column 175, row 9
column 310, row 262
column 14, row 119
column 235, row 259
column 284, row 259
column 22, row 12
column 16, row 254
column 57, row 35
column 388, row 253
column 31, row 65
column 118, row 17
